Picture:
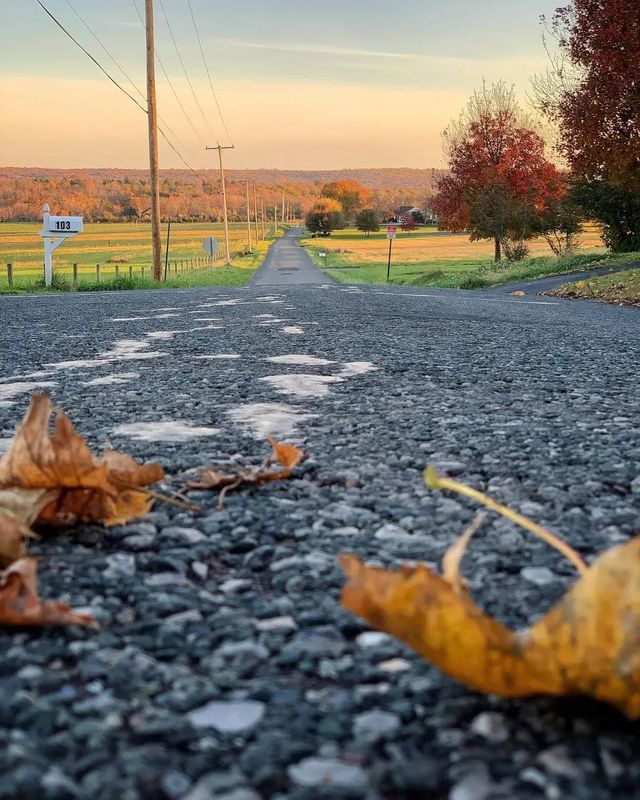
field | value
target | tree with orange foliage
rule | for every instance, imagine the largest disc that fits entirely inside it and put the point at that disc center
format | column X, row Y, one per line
column 350, row 194
column 499, row 179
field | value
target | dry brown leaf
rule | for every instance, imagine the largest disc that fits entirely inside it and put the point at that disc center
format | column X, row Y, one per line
column 285, row 455
column 20, row 604
column 589, row 643
column 84, row 488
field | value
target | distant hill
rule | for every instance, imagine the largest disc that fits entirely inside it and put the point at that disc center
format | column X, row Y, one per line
column 106, row 194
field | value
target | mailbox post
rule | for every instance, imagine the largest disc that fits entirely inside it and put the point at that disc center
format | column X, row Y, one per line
column 55, row 231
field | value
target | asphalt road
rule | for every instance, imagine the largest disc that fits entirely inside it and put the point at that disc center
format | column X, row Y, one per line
column 287, row 264
column 225, row 667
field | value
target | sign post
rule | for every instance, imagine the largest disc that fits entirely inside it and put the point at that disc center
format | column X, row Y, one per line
column 392, row 232
column 55, row 231
column 210, row 247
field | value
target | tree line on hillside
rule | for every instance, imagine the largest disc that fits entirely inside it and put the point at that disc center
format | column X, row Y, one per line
column 346, row 202
column 502, row 186
column 123, row 195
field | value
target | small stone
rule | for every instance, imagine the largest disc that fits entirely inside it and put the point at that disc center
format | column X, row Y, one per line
column 491, row 726
column 475, row 786
column 183, row 617
column 348, row 530
column 393, row 533
column 139, row 542
column 540, row 576
column 175, row 784
column 394, row 665
column 29, row 673
column 635, row 485
column 120, row 565
column 215, row 785
column 372, row 639
column 186, row 535
column 326, row 772
column 556, row 761
column 375, row 725
column 285, row 623
column 228, row 717
column 235, row 585
column 200, row 569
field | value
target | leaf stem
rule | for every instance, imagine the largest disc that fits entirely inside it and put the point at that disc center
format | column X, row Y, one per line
column 435, row 481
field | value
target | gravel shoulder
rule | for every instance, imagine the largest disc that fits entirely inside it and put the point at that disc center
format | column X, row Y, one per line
column 226, row 667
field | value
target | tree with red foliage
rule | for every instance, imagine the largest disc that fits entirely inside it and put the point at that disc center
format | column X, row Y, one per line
column 592, row 93
column 408, row 223
column 499, row 178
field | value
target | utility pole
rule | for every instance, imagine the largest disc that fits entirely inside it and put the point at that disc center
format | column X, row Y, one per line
column 264, row 221
column 249, row 219
column 275, row 221
column 152, row 114
column 224, row 199
column 255, row 210
column 283, row 209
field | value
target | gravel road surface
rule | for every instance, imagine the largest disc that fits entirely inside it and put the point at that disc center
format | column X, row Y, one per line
column 226, row 667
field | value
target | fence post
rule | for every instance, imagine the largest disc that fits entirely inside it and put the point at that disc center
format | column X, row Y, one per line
column 75, row 275
column 97, row 273
column 130, row 272
column 142, row 270
column 10, row 274
column 117, row 271
column 175, row 267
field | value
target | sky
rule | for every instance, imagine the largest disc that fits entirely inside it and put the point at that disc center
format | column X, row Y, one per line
column 330, row 84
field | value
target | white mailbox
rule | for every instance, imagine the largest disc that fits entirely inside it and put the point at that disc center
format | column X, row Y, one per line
column 65, row 224
column 60, row 229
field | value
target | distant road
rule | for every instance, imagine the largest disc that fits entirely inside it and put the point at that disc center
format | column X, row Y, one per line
column 287, row 264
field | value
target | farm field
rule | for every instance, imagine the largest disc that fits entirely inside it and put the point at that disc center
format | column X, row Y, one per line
column 122, row 249
column 429, row 257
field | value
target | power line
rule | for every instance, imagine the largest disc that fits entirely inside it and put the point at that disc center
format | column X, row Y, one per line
column 169, row 81
column 184, row 69
column 88, row 54
column 115, row 82
column 123, row 72
column 206, row 66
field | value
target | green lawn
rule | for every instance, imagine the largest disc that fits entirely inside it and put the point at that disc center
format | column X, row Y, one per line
column 425, row 258
column 622, row 288
column 123, row 252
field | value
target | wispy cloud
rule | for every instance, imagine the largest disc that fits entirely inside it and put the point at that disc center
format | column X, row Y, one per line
column 332, row 50
column 319, row 49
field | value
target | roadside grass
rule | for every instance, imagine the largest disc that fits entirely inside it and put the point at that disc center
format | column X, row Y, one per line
column 123, row 245
column 427, row 258
column 622, row 288
column 239, row 274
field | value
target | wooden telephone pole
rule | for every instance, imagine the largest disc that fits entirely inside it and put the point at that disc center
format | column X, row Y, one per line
column 224, row 199
column 152, row 113
column 249, row 219
column 255, row 211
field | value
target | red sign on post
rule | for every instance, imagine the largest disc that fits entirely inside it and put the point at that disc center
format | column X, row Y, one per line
column 392, row 231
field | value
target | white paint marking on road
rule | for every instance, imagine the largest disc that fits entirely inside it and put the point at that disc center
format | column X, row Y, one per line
column 264, row 316
column 176, row 431
column 122, row 350
column 129, row 319
column 29, row 376
column 236, row 302
column 300, row 360
column 293, row 330
column 163, row 336
column 300, row 385
column 269, row 419
column 208, row 328
column 353, row 368
column 110, row 380
column 219, row 356
column 10, row 390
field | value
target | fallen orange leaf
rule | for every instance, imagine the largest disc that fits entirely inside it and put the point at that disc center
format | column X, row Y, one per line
column 84, row 488
column 589, row 643
column 20, row 604
column 287, row 456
